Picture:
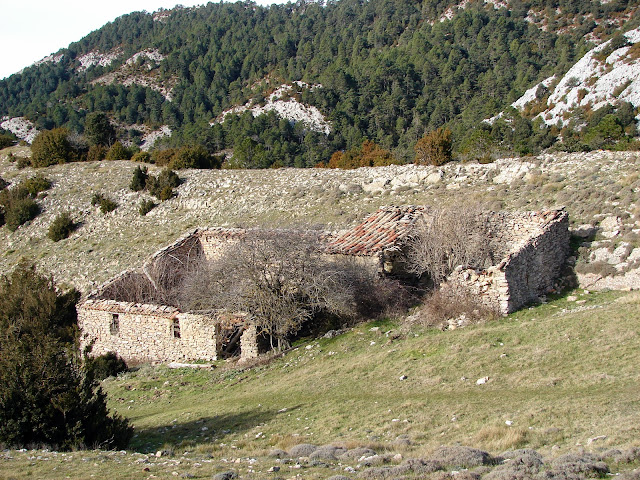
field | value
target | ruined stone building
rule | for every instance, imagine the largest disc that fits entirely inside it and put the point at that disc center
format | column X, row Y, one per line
column 533, row 247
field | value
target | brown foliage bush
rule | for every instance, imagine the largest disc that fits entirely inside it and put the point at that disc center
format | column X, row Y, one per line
column 434, row 148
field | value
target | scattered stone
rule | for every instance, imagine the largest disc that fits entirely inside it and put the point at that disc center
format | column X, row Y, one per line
column 596, row 439
column 274, row 469
column 403, row 377
column 332, row 334
column 482, row 381
column 230, row 475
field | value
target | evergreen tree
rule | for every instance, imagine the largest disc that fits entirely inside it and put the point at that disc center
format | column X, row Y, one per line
column 46, row 397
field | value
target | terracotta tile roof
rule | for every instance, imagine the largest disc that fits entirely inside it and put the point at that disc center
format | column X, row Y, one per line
column 380, row 231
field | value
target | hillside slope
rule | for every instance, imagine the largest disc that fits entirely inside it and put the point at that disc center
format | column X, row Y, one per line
column 559, row 378
column 599, row 189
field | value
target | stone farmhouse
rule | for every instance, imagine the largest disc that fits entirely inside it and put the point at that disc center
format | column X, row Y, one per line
column 532, row 247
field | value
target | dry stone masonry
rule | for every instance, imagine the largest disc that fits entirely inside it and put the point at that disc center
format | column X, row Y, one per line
column 532, row 246
column 536, row 246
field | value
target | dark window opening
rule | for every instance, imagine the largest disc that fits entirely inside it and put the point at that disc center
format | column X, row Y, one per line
column 114, row 327
column 175, row 327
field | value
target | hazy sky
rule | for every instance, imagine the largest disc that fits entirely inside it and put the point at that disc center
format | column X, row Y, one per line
column 32, row 29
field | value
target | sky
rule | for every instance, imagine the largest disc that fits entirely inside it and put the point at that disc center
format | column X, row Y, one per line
column 32, row 29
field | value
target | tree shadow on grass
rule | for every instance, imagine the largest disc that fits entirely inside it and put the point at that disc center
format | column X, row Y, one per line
column 200, row 430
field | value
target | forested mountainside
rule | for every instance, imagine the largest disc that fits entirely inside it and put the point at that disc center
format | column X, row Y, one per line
column 383, row 70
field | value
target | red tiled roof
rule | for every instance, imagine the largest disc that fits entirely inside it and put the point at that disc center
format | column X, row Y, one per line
column 381, row 230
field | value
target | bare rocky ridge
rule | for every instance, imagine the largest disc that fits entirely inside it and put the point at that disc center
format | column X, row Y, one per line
column 591, row 82
column 598, row 189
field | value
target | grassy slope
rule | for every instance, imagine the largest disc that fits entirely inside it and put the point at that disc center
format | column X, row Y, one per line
column 562, row 373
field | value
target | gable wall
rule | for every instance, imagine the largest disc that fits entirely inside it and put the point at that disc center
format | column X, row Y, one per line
column 539, row 247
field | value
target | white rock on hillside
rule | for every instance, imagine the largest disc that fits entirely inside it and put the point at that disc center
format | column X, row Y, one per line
column 149, row 139
column 290, row 109
column 20, row 127
column 96, row 58
column 592, row 82
column 151, row 54
column 128, row 75
column 50, row 59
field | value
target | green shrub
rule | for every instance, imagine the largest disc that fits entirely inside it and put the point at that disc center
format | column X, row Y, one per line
column 139, row 180
column 61, row 227
column 104, row 366
column 143, row 157
column 6, row 141
column 46, row 397
column 146, row 206
column 20, row 212
column 18, row 203
column 51, row 147
column 162, row 186
column 23, row 162
column 194, row 157
column 118, row 152
column 163, row 157
column 105, row 203
column 96, row 153
column 37, row 184
column 3, row 183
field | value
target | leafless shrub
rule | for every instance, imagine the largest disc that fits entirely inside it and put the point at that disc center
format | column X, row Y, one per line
column 511, row 454
column 627, row 456
column 327, row 453
column 453, row 303
column 447, row 238
column 131, row 287
column 632, row 475
column 161, row 280
column 281, row 280
column 382, row 473
column 420, row 466
column 278, row 453
column 603, row 269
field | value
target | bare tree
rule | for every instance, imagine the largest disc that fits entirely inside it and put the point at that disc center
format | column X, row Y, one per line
column 280, row 278
column 446, row 238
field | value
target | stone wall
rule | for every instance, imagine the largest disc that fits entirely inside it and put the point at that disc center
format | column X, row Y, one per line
column 538, row 245
column 215, row 241
column 147, row 332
